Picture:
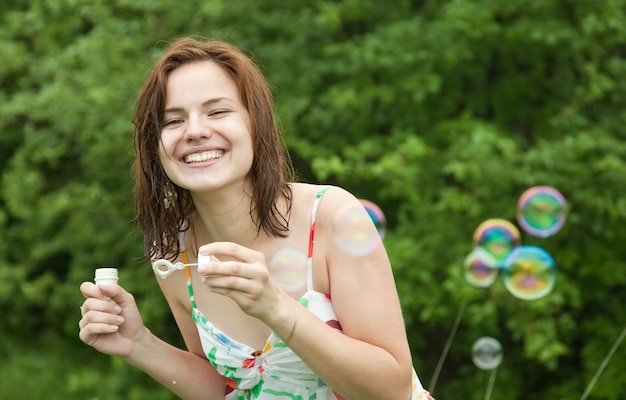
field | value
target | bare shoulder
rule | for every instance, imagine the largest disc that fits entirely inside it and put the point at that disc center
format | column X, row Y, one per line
column 334, row 202
column 338, row 213
column 333, row 195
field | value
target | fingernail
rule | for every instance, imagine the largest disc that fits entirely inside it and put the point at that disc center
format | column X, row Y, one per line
column 120, row 319
column 114, row 327
column 117, row 309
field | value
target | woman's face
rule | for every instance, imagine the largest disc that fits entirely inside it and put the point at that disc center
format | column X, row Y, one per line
column 206, row 143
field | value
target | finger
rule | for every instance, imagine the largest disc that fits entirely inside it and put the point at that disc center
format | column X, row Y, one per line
column 100, row 305
column 90, row 332
column 230, row 251
column 100, row 317
column 118, row 295
column 226, row 268
column 226, row 282
column 240, row 290
column 89, row 289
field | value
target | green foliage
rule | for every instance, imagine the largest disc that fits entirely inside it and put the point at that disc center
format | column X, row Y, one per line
column 442, row 112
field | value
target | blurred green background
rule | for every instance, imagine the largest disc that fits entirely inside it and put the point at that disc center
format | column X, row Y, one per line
column 441, row 112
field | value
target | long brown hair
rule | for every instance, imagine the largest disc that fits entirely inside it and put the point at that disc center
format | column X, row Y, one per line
column 161, row 207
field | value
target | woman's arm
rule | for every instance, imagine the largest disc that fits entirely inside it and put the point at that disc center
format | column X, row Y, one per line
column 117, row 329
column 371, row 358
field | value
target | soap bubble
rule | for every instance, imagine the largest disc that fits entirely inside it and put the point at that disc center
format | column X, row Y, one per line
column 480, row 268
column 377, row 216
column 529, row 273
column 541, row 211
column 487, row 353
column 289, row 268
column 353, row 231
column 498, row 236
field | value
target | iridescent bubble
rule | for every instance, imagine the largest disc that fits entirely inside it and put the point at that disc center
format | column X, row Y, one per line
column 498, row 236
column 480, row 268
column 487, row 353
column 288, row 268
column 541, row 211
column 377, row 216
column 529, row 272
column 354, row 232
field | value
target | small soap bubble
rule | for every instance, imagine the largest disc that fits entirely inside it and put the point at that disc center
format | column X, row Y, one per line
column 377, row 216
column 353, row 231
column 498, row 236
column 529, row 273
column 480, row 268
column 487, row 353
column 541, row 211
column 288, row 268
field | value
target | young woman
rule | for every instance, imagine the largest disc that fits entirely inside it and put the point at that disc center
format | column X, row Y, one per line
column 215, row 187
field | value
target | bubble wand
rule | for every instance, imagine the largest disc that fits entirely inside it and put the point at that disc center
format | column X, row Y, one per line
column 165, row 268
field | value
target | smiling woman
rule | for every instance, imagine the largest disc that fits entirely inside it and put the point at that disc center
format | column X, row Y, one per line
column 205, row 136
column 265, row 313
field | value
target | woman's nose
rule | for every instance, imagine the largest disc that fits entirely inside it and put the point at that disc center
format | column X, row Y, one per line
column 197, row 128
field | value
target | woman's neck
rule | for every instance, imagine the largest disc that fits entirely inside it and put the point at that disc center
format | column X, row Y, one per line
column 224, row 217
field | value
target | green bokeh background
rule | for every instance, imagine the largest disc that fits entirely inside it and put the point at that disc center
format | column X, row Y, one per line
column 441, row 112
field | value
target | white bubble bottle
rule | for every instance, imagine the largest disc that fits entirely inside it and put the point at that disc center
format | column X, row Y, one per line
column 106, row 276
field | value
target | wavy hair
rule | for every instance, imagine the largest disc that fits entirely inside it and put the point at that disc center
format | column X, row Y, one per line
column 161, row 207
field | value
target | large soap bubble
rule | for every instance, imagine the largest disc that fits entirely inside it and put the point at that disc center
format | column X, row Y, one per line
column 498, row 236
column 529, row 272
column 480, row 268
column 353, row 231
column 541, row 211
column 289, row 267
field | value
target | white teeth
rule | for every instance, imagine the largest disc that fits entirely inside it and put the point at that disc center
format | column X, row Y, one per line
column 204, row 156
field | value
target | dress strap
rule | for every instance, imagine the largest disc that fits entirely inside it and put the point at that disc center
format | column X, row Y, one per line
column 181, row 240
column 185, row 259
column 192, row 298
column 309, row 265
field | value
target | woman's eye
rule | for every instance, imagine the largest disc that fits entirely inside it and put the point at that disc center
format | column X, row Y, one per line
column 216, row 113
column 171, row 122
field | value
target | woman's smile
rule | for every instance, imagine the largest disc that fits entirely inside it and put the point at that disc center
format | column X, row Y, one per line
column 203, row 156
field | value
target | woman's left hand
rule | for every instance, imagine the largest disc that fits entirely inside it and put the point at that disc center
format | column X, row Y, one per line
column 241, row 274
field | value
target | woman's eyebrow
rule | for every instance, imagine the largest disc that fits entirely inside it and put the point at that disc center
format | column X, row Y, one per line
column 206, row 103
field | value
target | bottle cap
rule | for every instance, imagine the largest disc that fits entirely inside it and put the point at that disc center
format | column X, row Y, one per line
column 106, row 276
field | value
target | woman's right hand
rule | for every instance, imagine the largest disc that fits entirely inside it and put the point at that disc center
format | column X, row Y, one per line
column 111, row 327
